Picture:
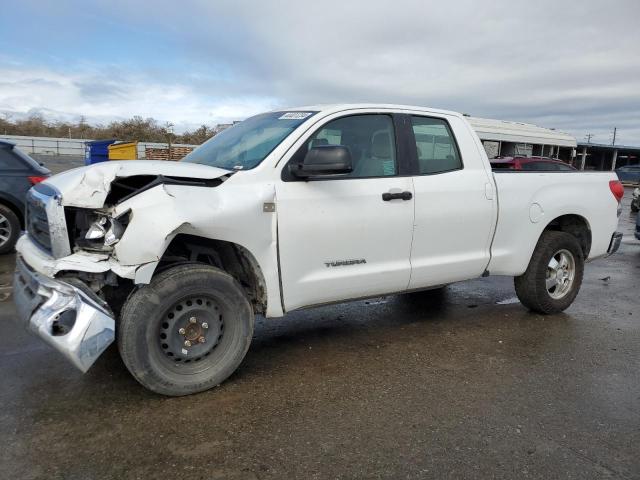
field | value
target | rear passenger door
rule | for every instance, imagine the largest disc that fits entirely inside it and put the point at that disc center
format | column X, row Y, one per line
column 455, row 208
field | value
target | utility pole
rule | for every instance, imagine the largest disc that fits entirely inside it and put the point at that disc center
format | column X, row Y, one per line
column 615, row 130
column 169, row 129
column 588, row 136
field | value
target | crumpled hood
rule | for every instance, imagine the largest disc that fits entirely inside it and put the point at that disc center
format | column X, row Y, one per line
column 89, row 186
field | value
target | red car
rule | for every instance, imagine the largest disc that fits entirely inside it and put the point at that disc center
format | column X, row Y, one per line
column 529, row 163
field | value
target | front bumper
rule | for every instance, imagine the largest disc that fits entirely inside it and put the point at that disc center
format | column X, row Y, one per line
column 63, row 315
column 614, row 245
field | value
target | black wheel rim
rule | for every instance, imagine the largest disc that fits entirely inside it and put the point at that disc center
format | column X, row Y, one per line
column 191, row 330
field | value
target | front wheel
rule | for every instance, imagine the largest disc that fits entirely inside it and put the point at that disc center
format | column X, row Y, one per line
column 554, row 275
column 186, row 331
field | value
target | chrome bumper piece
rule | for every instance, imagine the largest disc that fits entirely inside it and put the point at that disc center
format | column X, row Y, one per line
column 64, row 316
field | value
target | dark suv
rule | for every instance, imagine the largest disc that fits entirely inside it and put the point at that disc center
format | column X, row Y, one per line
column 18, row 173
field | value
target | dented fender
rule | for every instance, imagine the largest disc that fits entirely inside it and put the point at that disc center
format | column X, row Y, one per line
column 233, row 212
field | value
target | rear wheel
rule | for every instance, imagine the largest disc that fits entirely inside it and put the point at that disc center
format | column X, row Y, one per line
column 186, row 331
column 9, row 229
column 554, row 275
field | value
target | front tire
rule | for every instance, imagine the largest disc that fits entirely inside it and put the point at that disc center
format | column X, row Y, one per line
column 186, row 331
column 554, row 275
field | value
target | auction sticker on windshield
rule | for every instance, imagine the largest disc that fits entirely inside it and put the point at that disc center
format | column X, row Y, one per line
column 294, row 115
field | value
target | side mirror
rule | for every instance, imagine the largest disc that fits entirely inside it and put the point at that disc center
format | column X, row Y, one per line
column 323, row 160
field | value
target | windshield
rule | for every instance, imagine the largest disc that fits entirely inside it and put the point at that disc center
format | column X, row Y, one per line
column 246, row 144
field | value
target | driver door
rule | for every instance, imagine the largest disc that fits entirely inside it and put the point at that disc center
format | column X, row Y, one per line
column 338, row 238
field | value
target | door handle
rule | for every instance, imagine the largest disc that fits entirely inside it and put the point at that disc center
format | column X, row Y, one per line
column 388, row 196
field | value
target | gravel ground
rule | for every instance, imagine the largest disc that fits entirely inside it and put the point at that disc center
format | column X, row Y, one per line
column 465, row 384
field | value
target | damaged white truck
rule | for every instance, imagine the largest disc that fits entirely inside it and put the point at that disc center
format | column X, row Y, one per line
column 286, row 210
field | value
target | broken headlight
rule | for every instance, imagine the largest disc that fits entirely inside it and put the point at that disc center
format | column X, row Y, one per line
column 108, row 229
column 98, row 230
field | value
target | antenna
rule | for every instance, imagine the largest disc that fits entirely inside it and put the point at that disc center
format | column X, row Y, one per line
column 588, row 136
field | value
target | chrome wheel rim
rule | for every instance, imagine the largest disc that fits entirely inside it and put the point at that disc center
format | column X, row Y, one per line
column 5, row 230
column 561, row 272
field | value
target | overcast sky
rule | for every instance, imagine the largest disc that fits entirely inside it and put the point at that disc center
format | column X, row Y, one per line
column 574, row 66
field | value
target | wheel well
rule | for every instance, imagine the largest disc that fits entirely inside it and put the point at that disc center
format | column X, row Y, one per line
column 15, row 210
column 576, row 226
column 230, row 257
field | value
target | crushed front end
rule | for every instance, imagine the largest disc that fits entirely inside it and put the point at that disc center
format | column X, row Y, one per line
column 65, row 314
column 82, row 254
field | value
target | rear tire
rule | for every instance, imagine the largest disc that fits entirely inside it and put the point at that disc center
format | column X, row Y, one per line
column 9, row 229
column 186, row 331
column 554, row 275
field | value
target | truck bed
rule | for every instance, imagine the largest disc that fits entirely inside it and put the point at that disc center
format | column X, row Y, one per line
column 540, row 198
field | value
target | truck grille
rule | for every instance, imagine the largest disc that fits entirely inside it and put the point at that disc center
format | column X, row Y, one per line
column 37, row 222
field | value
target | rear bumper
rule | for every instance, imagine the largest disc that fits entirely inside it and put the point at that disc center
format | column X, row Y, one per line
column 64, row 316
column 616, row 238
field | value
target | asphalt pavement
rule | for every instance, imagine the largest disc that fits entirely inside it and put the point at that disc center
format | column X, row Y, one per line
column 464, row 384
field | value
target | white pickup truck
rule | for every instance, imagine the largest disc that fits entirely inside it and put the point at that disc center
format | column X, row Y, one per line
column 288, row 210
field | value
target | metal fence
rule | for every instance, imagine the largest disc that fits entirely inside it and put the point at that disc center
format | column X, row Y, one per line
column 72, row 146
column 47, row 145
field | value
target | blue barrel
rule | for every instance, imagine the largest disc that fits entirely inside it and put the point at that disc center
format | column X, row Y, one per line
column 97, row 151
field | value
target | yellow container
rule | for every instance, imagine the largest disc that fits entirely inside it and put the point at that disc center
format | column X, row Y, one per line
column 123, row 151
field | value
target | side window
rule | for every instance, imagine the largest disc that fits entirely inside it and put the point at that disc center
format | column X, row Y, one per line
column 564, row 167
column 8, row 161
column 436, row 146
column 370, row 139
column 545, row 166
column 532, row 166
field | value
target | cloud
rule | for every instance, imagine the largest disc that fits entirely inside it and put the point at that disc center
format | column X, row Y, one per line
column 571, row 66
column 100, row 98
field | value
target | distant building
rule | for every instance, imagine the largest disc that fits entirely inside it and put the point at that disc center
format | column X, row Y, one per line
column 502, row 138
column 597, row 156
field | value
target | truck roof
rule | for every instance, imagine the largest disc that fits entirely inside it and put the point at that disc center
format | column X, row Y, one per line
column 338, row 107
column 486, row 128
